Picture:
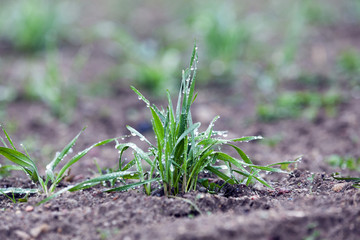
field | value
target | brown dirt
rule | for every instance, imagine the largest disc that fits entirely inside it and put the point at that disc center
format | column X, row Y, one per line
column 307, row 204
column 302, row 205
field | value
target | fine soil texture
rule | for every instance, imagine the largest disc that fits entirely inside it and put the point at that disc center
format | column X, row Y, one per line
column 306, row 203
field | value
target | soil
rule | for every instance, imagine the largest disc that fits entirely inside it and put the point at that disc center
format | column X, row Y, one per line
column 305, row 204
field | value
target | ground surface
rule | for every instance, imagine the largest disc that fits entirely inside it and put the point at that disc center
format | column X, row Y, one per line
column 306, row 204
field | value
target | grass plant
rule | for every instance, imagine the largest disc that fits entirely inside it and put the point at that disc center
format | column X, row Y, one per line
column 344, row 162
column 181, row 152
column 51, row 87
column 299, row 104
column 354, row 180
column 29, row 24
column 48, row 183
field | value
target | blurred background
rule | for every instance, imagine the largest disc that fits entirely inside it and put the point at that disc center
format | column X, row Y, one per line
column 67, row 64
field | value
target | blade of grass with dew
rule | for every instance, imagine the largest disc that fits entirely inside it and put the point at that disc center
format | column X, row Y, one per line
column 132, row 185
column 138, row 150
column 157, row 125
column 78, row 156
column 106, row 177
column 22, row 160
column 220, row 174
column 141, row 97
column 9, row 139
column 17, row 190
column 54, row 195
column 142, row 137
column 59, row 157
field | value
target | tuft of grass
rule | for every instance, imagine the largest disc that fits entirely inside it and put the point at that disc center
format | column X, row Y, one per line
column 344, row 162
column 181, row 152
column 354, row 180
column 299, row 104
column 50, row 86
column 47, row 183
column 29, row 24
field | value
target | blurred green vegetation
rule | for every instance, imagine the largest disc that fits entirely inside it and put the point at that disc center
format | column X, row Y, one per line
column 265, row 43
column 296, row 104
column 29, row 24
column 344, row 162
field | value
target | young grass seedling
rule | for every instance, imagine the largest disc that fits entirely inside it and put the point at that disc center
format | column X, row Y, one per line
column 182, row 152
column 47, row 184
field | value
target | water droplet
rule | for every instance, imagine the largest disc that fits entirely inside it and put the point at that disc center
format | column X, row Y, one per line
column 172, row 168
column 133, row 134
column 142, row 139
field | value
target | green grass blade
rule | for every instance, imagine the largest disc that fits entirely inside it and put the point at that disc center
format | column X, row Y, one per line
column 220, row 174
column 186, row 132
column 54, row 195
column 3, row 142
column 141, row 97
column 194, row 56
column 9, row 139
column 249, row 176
column 246, row 139
column 242, row 154
column 78, row 157
column 51, row 166
column 18, row 190
column 211, row 126
column 338, row 177
column 11, row 168
column 22, row 160
column 138, row 150
column 157, row 125
column 131, row 185
column 106, row 177
column 225, row 157
column 136, row 133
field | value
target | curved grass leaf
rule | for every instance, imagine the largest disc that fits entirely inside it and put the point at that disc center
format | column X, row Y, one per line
column 18, row 190
column 246, row 139
column 220, row 174
column 157, row 125
column 106, row 177
column 242, row 154
column 81, row 154
column 131, row 185
column 186, row 132
column 11, row 168
column 348, row 179
column 22, row 160
column 141, row 97
column 9, row 139
column 54, row 195
column 138, row 150
column 142, row 137
column 59, row 157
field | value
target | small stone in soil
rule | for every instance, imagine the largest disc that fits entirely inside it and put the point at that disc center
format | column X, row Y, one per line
column 338, row 187
column 29, row 208
column 35, row 232
column 22, row 235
